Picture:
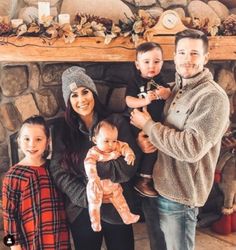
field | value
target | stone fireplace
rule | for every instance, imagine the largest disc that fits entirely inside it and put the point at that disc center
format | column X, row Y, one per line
column 28, row 88
column 35, row 88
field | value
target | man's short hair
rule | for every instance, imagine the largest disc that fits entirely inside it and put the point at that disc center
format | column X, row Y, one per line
column 193, row 34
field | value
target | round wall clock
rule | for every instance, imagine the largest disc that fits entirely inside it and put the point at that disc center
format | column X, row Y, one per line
column 170, row 19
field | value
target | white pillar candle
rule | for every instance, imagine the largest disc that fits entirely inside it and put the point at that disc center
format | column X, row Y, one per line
column 16, row 22
column 43, row 10
column 63, row 18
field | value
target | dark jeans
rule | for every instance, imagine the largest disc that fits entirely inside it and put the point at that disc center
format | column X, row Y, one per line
column 117, row 237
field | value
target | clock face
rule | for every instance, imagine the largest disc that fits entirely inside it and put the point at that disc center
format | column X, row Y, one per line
column 170, row 20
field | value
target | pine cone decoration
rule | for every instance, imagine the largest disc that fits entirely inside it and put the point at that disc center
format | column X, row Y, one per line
column 105, row 21
column 229, row 25
column 4, row 28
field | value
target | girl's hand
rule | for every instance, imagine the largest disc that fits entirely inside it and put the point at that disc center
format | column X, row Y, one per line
column 163, row 93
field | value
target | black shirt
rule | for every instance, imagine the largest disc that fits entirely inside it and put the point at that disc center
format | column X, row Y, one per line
column 138, row 84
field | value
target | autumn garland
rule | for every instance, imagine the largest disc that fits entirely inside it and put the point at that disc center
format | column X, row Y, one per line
column 93, row 26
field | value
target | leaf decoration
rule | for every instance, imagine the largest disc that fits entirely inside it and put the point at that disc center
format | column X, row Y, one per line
column 67, row 33
column 46, row 20
column 139, row 25
column 52, row 32
column 22, row 29
column 33, row 28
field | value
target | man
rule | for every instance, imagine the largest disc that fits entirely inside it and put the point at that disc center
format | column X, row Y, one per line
column 196, row 115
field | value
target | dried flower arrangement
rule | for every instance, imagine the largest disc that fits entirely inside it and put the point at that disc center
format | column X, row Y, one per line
column 90, row 26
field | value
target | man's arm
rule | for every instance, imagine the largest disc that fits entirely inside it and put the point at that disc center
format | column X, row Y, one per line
column 203, row 128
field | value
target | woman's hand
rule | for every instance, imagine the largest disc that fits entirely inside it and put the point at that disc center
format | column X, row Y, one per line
column 145, row 144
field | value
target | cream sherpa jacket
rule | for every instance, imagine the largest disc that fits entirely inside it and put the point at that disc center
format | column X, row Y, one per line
column 196, row 117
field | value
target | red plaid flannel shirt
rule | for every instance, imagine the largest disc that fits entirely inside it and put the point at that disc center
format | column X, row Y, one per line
column 33, row 211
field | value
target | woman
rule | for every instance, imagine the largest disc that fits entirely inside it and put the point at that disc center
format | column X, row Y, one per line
column 71, row 142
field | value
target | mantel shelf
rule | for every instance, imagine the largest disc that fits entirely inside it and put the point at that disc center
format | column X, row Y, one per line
column 93, row 49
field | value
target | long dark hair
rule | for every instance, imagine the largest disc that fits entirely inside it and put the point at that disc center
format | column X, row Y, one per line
column 70, row 157
column 72, row 118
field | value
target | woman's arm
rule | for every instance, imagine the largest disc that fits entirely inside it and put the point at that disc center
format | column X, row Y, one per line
column 118, row 170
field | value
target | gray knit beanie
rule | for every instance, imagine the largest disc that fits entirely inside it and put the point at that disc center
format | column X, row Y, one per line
column 75, row 77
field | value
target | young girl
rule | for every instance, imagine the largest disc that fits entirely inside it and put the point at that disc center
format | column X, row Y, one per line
column 33, row 211
column 107, row 148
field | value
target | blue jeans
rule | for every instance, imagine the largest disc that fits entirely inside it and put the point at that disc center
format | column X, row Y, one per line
column 170, row 225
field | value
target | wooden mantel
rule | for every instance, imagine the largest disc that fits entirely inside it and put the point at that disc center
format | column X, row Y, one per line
column 29, row 49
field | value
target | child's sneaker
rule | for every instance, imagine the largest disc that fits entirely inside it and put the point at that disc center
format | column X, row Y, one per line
column 144, row 186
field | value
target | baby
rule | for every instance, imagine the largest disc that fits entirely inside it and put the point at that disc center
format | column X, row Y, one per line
column 147, row 90
column 107, row 148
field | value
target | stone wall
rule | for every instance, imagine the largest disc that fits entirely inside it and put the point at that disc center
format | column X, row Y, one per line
column 35, row 88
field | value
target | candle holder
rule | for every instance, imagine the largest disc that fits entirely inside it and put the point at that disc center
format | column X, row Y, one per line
column 63, row 18
column 43, row 10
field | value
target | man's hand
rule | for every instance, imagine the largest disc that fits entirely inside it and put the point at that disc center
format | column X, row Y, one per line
column 228, row 143
column 138, row 118
column 145, row 144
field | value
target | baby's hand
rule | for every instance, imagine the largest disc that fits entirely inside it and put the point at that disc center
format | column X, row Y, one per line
column 151, row 96
column 112, row 156
column 130, row 159
column 163, row 93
